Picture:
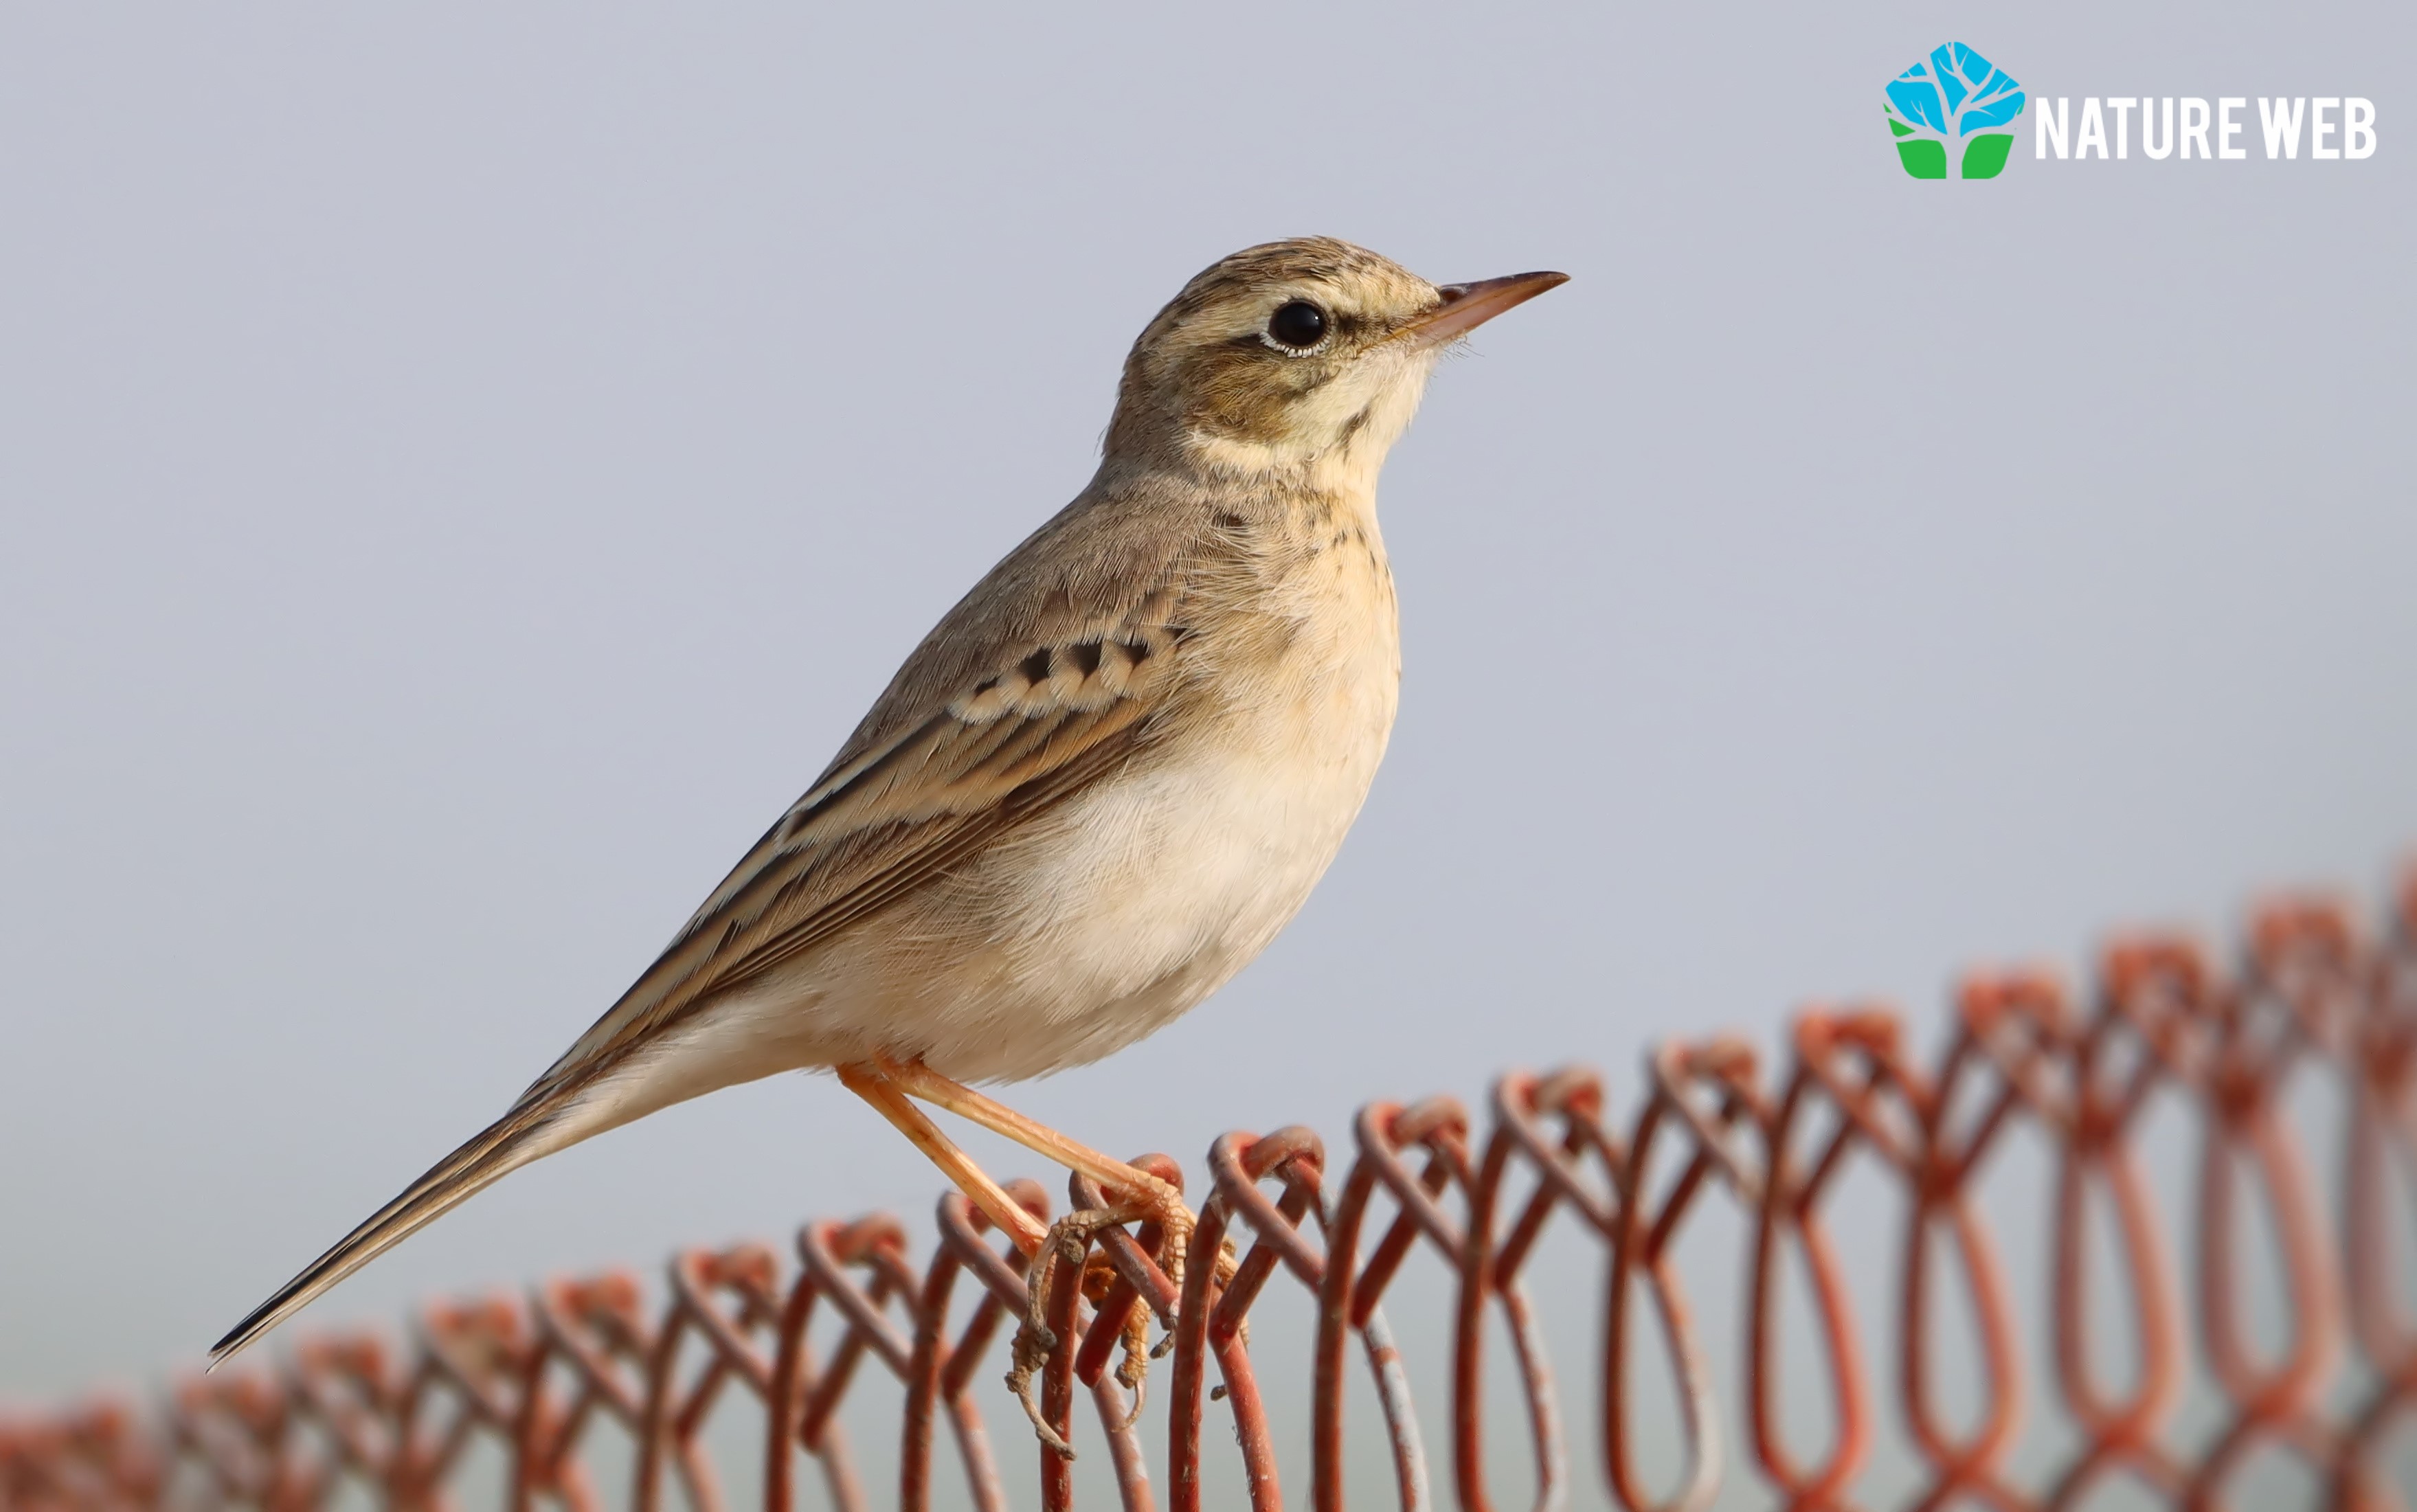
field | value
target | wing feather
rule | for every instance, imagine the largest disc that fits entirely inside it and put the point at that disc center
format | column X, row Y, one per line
column 888, row 820
column 1016, row 701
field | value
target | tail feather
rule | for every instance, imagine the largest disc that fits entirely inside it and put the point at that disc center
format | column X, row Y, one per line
column 504, row 1146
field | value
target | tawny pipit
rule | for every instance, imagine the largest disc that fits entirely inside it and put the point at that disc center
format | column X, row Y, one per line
column 1094, row 792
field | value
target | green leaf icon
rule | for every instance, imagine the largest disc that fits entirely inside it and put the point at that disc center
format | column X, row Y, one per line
column 1984, row 157
column 1925, row 159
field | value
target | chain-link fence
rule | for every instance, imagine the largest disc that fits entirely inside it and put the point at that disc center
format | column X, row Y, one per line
column 2284, row 1302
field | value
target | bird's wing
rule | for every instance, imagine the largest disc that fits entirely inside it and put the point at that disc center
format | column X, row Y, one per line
column 1047, row 722
column 1015, row 702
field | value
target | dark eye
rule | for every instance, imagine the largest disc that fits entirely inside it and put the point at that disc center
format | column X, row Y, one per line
column 1299, row 326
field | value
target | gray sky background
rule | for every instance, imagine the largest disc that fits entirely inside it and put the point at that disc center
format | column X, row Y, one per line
column 461, row 471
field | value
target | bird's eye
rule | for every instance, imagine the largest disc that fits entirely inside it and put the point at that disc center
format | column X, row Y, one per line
column 1298, row 327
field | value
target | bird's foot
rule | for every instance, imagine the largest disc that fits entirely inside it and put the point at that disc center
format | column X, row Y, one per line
column 1177, row 1256
column 1068, row 1242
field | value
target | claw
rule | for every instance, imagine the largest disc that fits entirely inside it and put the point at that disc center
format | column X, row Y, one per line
column 1020, row 1382
column 1132, row 1370
column 1068, row 1242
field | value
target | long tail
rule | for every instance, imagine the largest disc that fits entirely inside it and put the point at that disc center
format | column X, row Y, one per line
column 532, row 1129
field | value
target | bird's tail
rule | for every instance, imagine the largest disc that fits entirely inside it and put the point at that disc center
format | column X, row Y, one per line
column 531, row 1130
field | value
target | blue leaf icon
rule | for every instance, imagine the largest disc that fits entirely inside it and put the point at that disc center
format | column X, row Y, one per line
column 1951, row 83
column 1981, row 93
column 1916, row 98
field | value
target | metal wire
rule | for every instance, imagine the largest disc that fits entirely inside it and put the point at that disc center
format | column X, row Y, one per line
column 537, row 1377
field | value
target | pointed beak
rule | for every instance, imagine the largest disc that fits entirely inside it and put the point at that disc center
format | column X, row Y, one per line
column 1467, row 306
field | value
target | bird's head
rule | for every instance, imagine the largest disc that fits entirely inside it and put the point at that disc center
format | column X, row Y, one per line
column 1300, row 360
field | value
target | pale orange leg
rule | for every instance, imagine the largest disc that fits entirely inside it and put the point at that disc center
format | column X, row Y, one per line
column 874, row 1086
column 1116, row 1178
column 889, row 1085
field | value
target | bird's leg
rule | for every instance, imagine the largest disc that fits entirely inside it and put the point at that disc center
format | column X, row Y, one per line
column 1133, row 1195
column 1034, row 1338
column 1003, row 1211
column 1123, row 1184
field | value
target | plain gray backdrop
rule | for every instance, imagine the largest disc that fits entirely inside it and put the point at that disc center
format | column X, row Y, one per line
column 462, row 469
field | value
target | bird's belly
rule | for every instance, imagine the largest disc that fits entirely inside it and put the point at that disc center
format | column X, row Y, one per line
column 1165, row 887
column 1139, row 899
column 1108, row 918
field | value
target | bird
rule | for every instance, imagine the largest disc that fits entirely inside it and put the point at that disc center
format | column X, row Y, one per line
column 1098, row 788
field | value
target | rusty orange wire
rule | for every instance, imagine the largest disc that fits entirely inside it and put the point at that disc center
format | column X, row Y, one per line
column 536, row 1377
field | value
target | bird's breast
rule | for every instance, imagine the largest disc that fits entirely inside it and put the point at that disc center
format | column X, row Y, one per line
column 1183, row 870
column 1147, row 891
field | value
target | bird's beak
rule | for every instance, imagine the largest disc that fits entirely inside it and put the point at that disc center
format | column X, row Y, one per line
column 1467, row 306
